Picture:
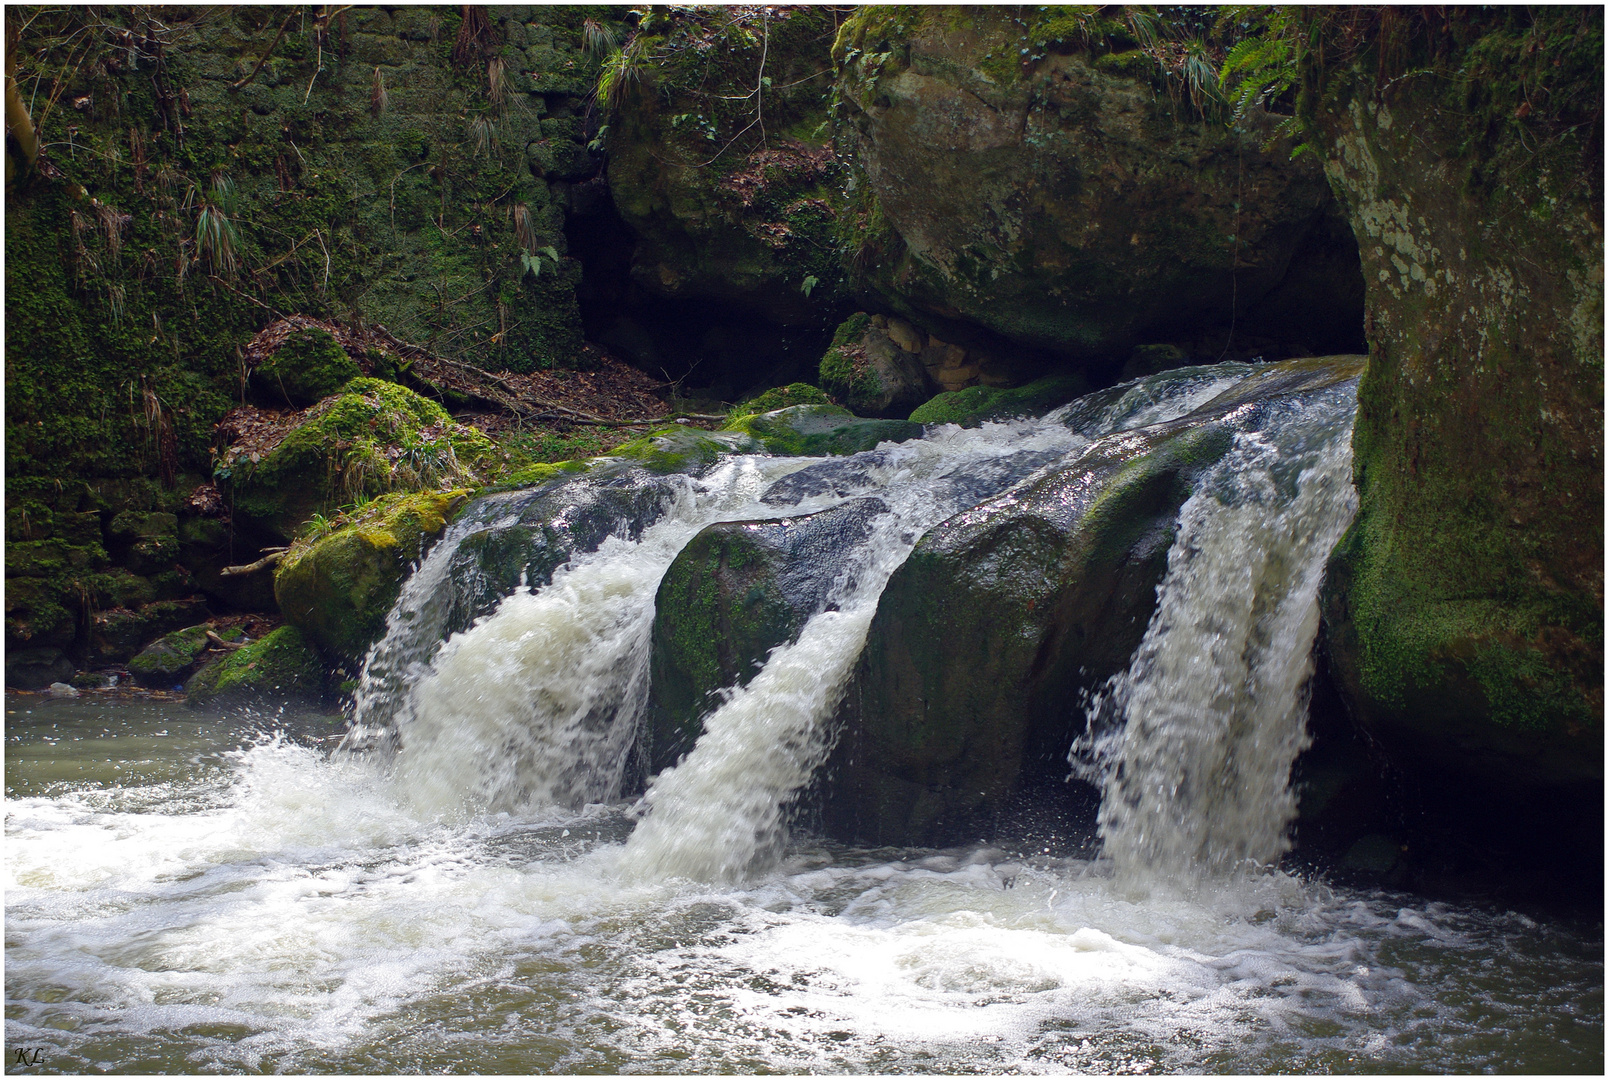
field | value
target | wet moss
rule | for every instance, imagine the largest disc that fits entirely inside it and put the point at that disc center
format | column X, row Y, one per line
column 281, row 666
column 977, row 404
column 339, row 587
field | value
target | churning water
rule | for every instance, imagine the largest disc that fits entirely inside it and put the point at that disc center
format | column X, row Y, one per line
column 187, row 895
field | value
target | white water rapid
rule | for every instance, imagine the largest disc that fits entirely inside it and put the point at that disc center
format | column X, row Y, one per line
column 538, row 703
column 1193, row 744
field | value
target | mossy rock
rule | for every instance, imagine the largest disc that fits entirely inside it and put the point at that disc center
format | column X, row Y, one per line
column 117, row 634
column 988, row 637
column 283, row 666
column 867, row 370
column 736, row 591
column 683, row 449
column 373, row 438
column 978, row 404
column 339, row 587
column 780, row 397
column 308, row 366
column 165, row 661
column 816, row 430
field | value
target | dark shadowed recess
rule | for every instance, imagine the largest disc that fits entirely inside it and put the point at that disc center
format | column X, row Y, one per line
column 707, row 348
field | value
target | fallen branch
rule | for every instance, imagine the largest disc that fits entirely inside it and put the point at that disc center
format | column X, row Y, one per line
column 282, row 28
column 251, row 568
column 222, row 644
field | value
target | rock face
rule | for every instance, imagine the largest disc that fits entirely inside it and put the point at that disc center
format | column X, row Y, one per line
column 418, row 179
column 729, row 195
column 987, row 635
column 736, row 591
column 1063, row 203
column 1465, row 606
column 338, row 588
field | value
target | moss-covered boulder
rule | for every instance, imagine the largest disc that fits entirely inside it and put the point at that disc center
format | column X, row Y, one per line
column 814, row 430
column 1040, row 174
column 780, row 397
column 736, row 591
column 166, row 661
column 866, row 369
column 308, row 366
column 973, row 678
column 338, row 588
column 116, row 634
column 372, row 438
column 281, row 667
column 1466, row 604
column 979, row 404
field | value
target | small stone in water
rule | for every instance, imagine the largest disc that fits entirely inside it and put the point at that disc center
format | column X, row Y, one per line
column 61, row 689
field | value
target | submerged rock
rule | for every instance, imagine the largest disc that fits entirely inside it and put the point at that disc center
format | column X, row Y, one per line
column 1003, row 616
column 736, row 591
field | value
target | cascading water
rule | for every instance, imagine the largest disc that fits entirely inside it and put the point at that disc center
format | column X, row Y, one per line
column 185, row 897
column 538, row 703
column 1194, row 743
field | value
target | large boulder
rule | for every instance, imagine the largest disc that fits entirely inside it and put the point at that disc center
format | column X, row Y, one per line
column 1035, row 178
column 987, row 638
column 736, row 591
column 373, row 437
column 339, row 587
column 1465, row 606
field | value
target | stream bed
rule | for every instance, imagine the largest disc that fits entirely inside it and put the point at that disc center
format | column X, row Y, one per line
column 222, row 894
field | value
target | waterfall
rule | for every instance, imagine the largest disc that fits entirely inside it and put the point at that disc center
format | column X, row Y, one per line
column 1194, row 743
column 537, row 703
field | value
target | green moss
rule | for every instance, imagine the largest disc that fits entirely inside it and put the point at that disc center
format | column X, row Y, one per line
column 283, row 665
column 310, row 365
column 977, row 404
column 164, row 661
column 373, row 438
column 679, row 449
column 339, row 588
column 815, row 430
column 780, row 397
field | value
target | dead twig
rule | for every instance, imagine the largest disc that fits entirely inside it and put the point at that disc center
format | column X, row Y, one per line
column 251, row 568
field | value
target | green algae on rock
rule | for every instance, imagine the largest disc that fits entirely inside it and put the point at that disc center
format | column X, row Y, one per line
column 280, row 667
column 338, row 588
